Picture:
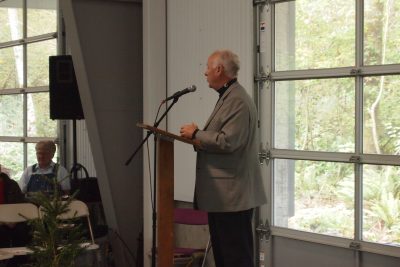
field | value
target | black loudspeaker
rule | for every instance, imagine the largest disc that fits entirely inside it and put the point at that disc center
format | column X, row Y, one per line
column 65, row 102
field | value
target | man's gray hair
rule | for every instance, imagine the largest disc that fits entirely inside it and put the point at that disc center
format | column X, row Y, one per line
column 229, row 60
column 49, row 146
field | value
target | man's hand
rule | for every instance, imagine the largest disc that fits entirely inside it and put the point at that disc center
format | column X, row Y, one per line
column 188, row 130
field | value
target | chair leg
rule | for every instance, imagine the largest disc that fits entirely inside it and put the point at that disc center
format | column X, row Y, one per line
column 206, row 252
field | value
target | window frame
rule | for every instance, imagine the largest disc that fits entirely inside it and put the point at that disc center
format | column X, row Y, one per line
column 24, row 90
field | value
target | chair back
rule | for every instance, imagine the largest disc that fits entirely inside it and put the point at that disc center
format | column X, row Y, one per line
column 190, row 216
column 189, row 250
column 19, row 212
column 76, row 209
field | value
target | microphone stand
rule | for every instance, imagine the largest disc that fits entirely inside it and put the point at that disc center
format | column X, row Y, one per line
column 154, row 211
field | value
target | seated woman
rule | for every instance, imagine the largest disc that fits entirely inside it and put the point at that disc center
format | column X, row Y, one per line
column 12, row 235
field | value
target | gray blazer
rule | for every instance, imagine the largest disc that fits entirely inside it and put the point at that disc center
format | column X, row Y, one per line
column 228, row 173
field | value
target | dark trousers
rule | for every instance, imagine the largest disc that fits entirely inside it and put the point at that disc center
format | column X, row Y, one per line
column 232, row 238
column 16, row 236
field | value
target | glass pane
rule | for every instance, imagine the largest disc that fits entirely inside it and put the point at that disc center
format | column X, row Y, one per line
column 11, row 20
column 12, row 69
column 311, row 36
column 39, row 123
column 381, row 32
column 11, row 158
column 315, row 115
column 381, row 204
column 42, row 17
column 11, row 115
column 38, row 62
column 316, row 197
column 31, row 154
column 381, row 110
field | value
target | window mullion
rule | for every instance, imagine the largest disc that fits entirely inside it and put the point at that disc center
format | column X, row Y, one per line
column 359, row 33
column 25, row 83
column 358, row 192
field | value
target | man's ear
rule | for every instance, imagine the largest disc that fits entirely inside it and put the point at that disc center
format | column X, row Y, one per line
column 220, row 69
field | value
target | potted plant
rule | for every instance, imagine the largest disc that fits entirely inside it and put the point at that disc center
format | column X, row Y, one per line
column 55, row 242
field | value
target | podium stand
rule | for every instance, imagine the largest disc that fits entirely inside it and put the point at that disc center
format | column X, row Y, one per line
column 165, row 193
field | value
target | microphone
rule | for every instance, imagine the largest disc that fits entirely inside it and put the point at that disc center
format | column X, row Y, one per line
column 181, row 93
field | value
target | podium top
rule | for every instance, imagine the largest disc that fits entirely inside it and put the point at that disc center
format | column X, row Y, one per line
column 166, row 134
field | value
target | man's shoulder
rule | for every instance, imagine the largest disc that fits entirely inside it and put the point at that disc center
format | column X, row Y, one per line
column 237, row 90
column 238, row 93
column 61, row 169
column 30, row 169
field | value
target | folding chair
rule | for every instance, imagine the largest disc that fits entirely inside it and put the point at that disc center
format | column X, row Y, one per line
column 185, row 255
column 16, row 213
column 77, row 209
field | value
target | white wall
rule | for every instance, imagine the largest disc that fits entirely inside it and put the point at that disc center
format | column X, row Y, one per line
column 194, row 30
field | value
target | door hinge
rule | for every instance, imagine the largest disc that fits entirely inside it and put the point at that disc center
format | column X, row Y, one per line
column 355, row 159
column 262, row 77
column 264, row 155
column 264, row 231
column 355, row 71
column 355, row 245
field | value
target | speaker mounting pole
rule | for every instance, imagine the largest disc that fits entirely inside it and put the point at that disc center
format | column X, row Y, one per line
column 74, row 150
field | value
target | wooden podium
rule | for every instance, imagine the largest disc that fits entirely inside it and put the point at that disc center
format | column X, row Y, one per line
column 165, row 193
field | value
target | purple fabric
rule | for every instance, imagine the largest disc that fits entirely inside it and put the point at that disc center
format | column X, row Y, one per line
column 190, row 216
column 186, row 251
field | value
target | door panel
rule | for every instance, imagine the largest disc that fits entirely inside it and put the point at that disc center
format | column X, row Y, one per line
column 288, row 252
column 375, row 260
column 317, row 178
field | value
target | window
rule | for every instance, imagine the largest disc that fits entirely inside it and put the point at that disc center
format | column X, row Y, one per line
column 336, row 118
column 28, row 36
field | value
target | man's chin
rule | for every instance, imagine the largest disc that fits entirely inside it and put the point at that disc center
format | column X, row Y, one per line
column 44, row 165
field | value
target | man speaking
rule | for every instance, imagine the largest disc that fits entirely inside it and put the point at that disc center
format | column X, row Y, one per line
column 228, row 174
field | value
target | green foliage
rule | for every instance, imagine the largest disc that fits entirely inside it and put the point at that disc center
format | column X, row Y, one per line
column 335, row 221
column 322, row 116
column 381, row 204
column 56, row 243
column 39, row 116
column 320, row 207
column 325, row 200
column 325, row 34
column 11, row 158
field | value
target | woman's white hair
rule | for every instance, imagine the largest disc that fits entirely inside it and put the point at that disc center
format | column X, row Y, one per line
column 229, row 60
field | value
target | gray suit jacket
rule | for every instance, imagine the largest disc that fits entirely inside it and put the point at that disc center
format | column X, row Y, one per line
column 228, row 174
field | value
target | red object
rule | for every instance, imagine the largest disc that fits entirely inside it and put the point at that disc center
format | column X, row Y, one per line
column 2, row 197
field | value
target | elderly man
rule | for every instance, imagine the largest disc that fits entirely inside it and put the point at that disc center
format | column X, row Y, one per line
column 40, row 176
column 228, row 175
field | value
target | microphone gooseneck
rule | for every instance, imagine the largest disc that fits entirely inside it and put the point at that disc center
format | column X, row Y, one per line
column 181, row 93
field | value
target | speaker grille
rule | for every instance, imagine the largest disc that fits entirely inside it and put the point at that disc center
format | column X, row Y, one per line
column 65, row 102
